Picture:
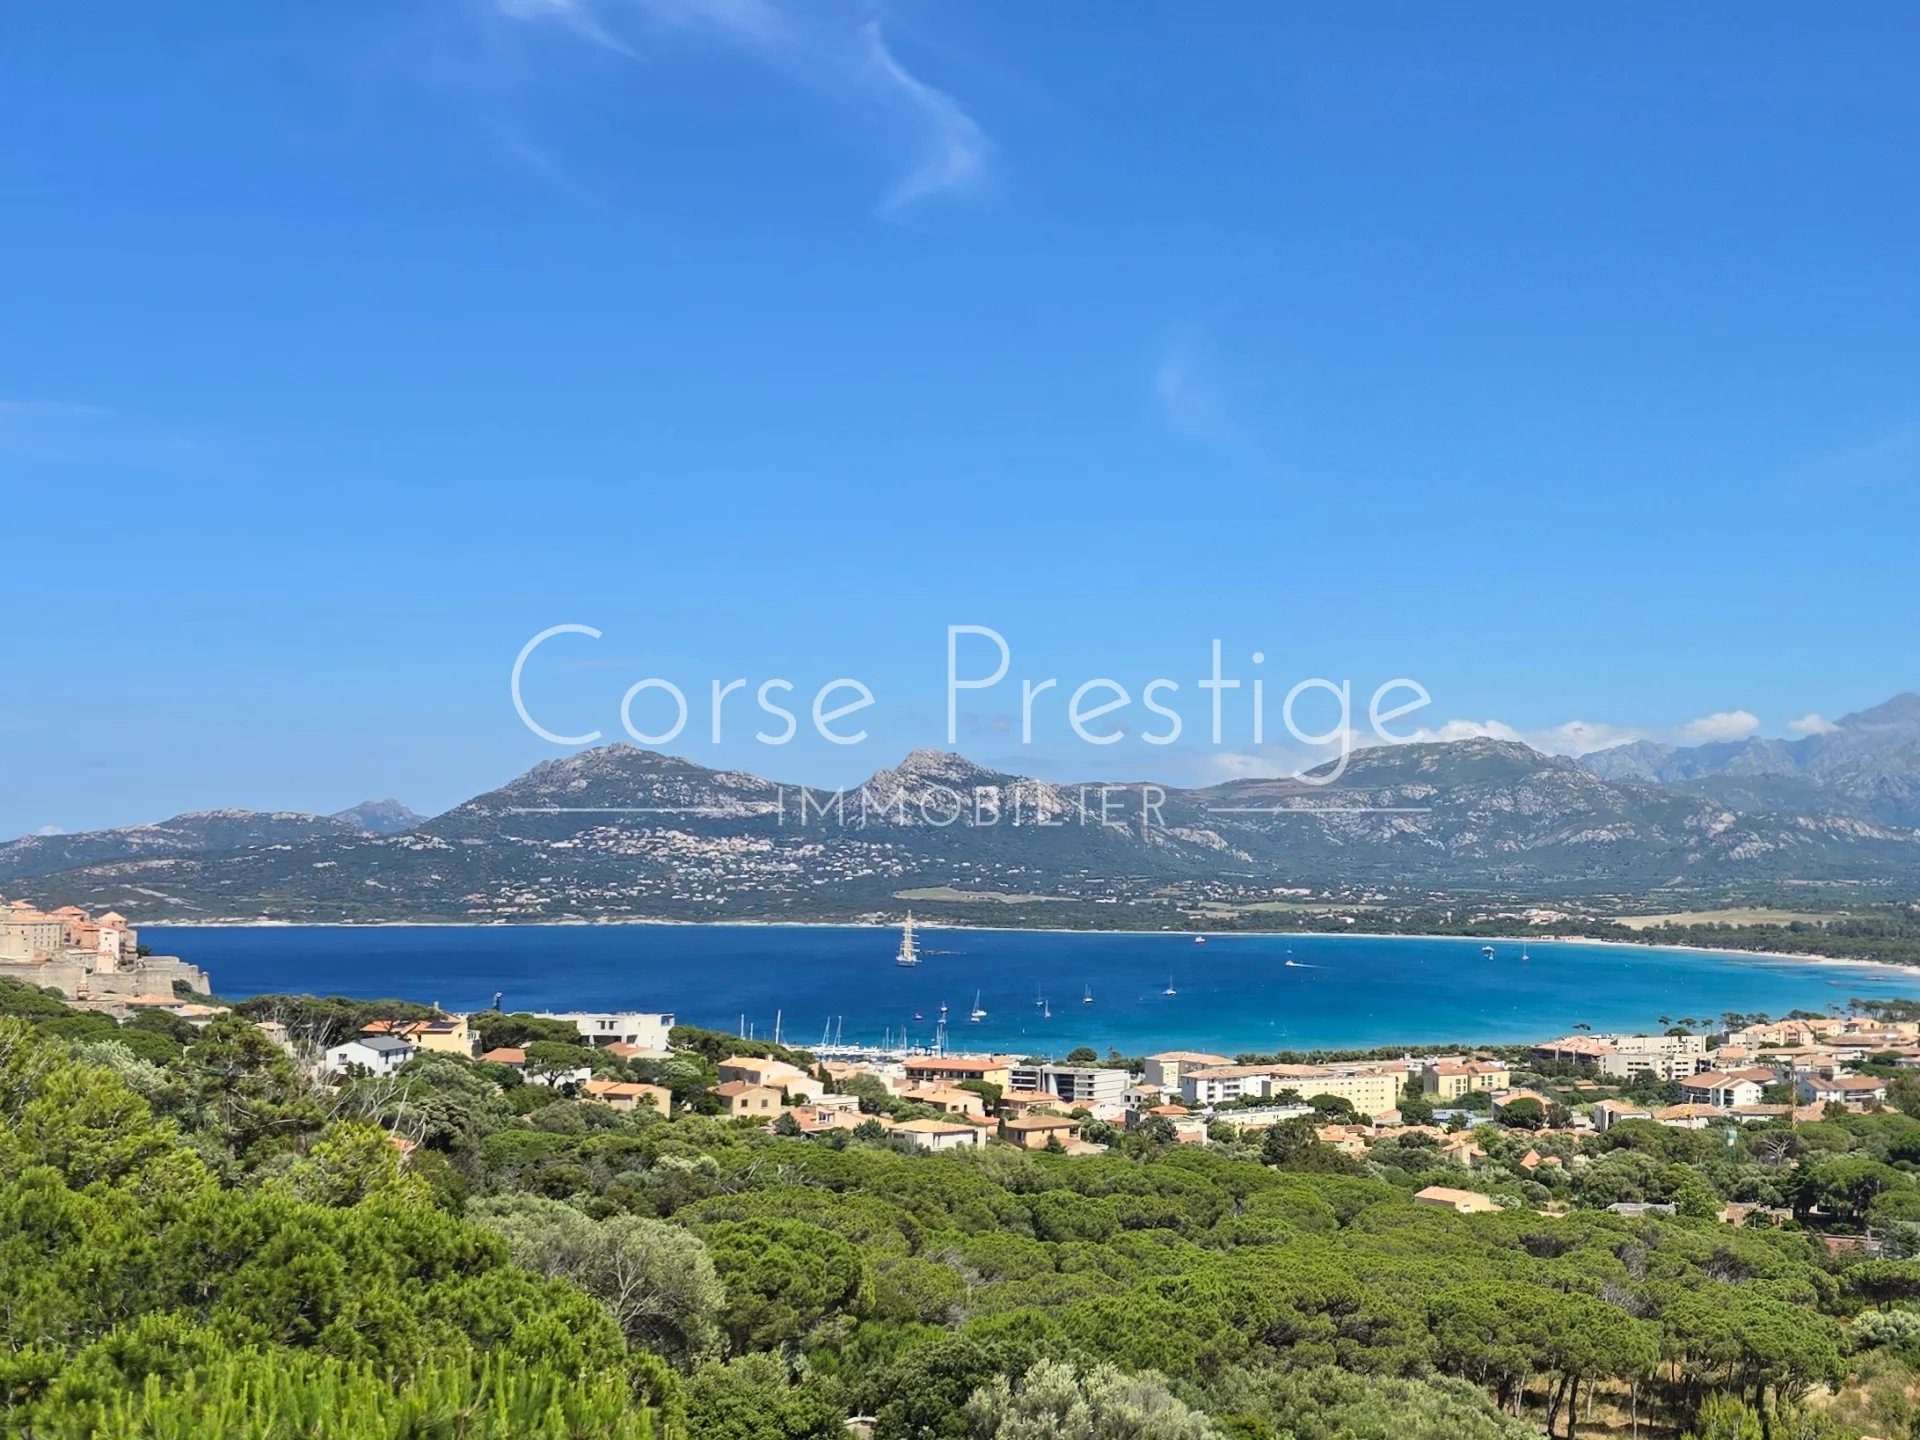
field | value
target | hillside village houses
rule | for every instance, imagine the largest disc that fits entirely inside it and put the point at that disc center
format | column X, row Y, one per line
column 1608, row 1113
column 1074, row 1084
column 1450, row 1079
column 1510, row 1097
column 951, row 1100
column 1195, row 1097
column 511, row 1057
column 628, row 1095
column 96, row 964
column 744, row 1099
column 1163, row 1070
column 939, row 1134
column 1627, row 1057
column 374, row 1054
column 638, row 1033
column 1041, row 1103
column 1827, row 1030
column 1368, row 1088
column 1463, row 1202
column 1817, row 1089
column 1726, row 1090
column 954, row 1069
column 446, row 1037
column 776, row 1075
column 1034, row 1132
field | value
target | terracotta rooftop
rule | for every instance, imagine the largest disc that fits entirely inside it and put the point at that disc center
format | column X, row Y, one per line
column 737, row 1087
column 1193, row 1057
column 936, row 1127
column 1039, row 1122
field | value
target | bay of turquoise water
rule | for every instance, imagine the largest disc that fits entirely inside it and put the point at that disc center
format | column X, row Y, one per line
column 1234, row 993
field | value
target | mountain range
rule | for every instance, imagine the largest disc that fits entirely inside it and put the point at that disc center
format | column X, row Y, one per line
column 1865, row 765
column 622, row 833
column 197, row 832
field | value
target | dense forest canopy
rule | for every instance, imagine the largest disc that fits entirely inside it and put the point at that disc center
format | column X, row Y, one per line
column 197, row 1238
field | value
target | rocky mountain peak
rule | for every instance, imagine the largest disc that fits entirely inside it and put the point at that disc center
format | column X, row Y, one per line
column 1901, row 712
column 379, row 817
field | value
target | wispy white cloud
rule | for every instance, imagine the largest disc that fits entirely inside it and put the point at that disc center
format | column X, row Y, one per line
column 815, row 46
column 956, row 158
column 1574, row 738
column 576, row 16
column 1268, row 762
column 1583, row 737
column 1570, row 737
column 1467, row 730
column 1721, row 725
column 1186, row 393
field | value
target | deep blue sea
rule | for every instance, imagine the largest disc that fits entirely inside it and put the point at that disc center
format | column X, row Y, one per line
column 1234, row 993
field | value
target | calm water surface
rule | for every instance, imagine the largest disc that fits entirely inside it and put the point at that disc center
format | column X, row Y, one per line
column 1233, row 993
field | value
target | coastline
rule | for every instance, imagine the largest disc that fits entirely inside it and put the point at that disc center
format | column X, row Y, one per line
column 1234, row 997
column 1212, row 936
column 1850, row 961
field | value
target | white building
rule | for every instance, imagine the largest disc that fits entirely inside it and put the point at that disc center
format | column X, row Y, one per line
column 643, row 1030
column 1369, row 1090
column 1628, row 1057
column 1608, row 1113
column 1087, row 1085
column 939, row 1134
column 376, row 1054
column 1166, row 1068
column 1724, row 1089
column 1843, row 1089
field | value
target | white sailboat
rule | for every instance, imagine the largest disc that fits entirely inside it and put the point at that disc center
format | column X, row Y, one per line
column 1087, row 999
column 908, row 955
column 976, row 1015
column 1169, row 990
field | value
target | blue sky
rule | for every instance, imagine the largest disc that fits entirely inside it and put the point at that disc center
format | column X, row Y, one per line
column 1562, row 362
